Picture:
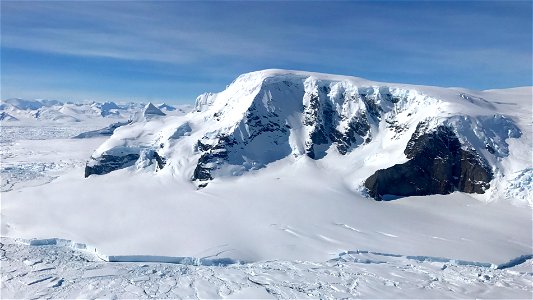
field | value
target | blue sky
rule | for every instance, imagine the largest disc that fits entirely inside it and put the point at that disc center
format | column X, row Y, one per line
column 176, row 50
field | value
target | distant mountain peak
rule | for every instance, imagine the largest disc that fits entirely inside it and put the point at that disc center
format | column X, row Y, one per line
column 164, row 106
column 55, row 111
column 7, row 117
column 151, row 110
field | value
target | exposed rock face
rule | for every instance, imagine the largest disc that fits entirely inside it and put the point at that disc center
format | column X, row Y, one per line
column 161, row 161
column 109, row 163
column 328, row 125
column 7, row 117
column 148, row 157
column 437, row 165
column 341, row 116
column 212, row 155
column 357, row 128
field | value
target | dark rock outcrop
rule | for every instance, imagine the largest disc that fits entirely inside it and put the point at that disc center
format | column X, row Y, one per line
column 265, row 130
column 7, row 117
column 161, row 161
column 358, row 128
column 437, row 165
column 261, row 130
column 320, row 115
column 212, row 156
column 109, row 163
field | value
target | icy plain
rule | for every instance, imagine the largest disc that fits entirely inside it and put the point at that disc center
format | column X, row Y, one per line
column 51, row 271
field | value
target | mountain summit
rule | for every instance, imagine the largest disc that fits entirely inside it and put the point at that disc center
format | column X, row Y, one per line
column 387, row 139
column 150, row 110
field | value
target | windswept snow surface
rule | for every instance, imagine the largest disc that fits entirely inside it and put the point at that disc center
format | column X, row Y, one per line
column 34, row 155
column 273, row 215
column 293, row 226
column 58, row 271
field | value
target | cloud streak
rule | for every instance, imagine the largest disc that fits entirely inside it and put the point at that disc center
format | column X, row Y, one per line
column 417, row 41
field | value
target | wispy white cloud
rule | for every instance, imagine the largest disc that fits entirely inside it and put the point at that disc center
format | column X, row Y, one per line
column 407, row 41
column 179, row 33
column 141, row 31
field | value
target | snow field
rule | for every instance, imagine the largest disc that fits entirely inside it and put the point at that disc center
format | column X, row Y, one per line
column 62, row 272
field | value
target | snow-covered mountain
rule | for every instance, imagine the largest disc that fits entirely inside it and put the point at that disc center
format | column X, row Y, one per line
column 289, row 162
column 55, row 111
column 383, row 139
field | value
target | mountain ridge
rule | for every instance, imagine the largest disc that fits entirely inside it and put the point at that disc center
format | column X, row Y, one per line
column 16, row 109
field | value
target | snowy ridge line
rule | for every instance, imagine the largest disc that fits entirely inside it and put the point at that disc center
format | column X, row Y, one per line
column 419, row 258
column 183, row 260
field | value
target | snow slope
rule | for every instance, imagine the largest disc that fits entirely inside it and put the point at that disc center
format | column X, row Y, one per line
column 275, row 214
